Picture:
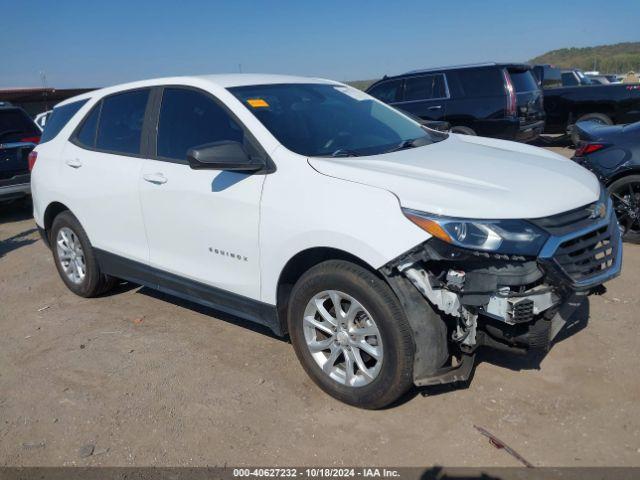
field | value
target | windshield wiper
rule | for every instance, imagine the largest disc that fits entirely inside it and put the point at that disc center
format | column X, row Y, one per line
column 412, row 143
column 343, row 152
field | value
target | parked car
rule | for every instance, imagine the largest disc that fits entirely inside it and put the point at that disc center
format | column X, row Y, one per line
column 491, row 100
column 613, row 154
column 41, row 119
column 578, row 100
column 383, row 249
column 18, row 136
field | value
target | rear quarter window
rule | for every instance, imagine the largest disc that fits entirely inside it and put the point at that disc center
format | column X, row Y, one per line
column 59, row 117
column 476, row 82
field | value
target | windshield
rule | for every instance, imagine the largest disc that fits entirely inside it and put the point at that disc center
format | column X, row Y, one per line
column 330, row 120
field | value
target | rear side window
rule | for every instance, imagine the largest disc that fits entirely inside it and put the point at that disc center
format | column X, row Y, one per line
column 424, row 88
column 523, row 80
column 59, row 118
column 120, row 123
column 189, row 118
column 386, row 91
column 479, row 82
column 15, row 124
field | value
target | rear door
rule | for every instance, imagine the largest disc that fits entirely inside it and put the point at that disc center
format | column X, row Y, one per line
column 201, row 224
column 425, row 96
column 529, row 104
column 101, row 167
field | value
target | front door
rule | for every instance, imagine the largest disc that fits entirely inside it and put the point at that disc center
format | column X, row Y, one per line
column 201, row 224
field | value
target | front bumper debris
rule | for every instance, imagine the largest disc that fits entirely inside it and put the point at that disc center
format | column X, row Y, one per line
column 510, row 302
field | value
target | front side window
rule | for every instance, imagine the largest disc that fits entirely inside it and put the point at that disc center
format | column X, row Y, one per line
column 189, row 118
column 387, row 92
column 330, row 120
column 424, row 87
column 120, row 124
column 59, row 118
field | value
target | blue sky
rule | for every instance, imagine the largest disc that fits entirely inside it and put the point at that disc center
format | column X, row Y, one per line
column 82, row 43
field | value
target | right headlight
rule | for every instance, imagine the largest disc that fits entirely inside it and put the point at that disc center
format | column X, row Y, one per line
column 516, row 237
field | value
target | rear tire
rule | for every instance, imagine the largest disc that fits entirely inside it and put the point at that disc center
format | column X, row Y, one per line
column 599, row 118
column 463, row 130
column 75, row 258
column 369, row 314
column 625, row 193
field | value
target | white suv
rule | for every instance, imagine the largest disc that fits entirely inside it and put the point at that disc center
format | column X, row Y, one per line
column 387, row 252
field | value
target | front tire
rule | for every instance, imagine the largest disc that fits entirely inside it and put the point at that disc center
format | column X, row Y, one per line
column 625, row 194
column 75, row 258
column 351, row 335
column 462, row 130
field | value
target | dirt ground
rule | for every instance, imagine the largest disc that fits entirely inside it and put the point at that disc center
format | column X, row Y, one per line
column 137, row 378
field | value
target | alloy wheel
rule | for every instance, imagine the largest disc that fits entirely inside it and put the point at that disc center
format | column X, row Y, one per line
column 343, row 338
column 71, row 255
column 626, row 202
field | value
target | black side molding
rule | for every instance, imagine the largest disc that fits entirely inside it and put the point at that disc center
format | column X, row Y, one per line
column 187, row 289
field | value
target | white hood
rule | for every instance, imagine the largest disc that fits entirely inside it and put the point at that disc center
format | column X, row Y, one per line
column 473, row 177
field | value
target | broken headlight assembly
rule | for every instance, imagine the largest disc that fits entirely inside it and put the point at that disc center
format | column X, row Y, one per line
column 514, row 237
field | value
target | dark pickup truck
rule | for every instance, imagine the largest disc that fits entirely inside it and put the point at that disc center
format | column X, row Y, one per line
column 606, row 104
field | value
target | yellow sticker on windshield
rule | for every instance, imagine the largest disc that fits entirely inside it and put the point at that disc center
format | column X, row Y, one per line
column 257, row 102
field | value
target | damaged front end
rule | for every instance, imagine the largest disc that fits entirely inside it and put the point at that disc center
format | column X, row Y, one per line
column 510, row 301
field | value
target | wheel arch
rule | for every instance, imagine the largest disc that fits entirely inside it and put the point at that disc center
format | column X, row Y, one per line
column 635, row 170
column 301, row 262
column 51, row 212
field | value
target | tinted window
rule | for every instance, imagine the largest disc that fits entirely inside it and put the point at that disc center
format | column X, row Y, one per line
column 59, row 118
column 189, row 118
column 386, row 91
column 479, row 82
column 87, row 133
column 424, row 87
column 120, row 126
column 523, row 80
column 569, row 79
column 329, row 120
column 14, row 124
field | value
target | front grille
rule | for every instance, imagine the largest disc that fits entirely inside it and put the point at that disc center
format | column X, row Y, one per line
column 590, row 254
column 566, row 222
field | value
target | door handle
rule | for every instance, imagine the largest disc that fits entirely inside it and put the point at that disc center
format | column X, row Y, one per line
column 435, row 107
column 156, row 178
column 75, row 163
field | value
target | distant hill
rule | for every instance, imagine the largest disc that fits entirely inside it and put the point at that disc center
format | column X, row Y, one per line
column 618, row 58
column 361, row 84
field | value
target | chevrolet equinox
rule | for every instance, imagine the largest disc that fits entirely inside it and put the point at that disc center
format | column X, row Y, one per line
column 387, row 252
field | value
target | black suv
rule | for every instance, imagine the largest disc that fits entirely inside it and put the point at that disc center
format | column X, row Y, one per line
column 18, row 136
column 490, row 99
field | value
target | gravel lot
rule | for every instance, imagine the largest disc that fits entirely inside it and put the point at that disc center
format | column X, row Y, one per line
column 137, row 378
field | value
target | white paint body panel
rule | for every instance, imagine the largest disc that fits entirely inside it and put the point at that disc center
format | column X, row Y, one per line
column 350, row 204
column 473, row 177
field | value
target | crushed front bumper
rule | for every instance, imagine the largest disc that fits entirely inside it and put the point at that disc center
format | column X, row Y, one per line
column 511, row 302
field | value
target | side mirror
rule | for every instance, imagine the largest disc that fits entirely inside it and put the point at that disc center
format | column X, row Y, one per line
column 225, row 155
